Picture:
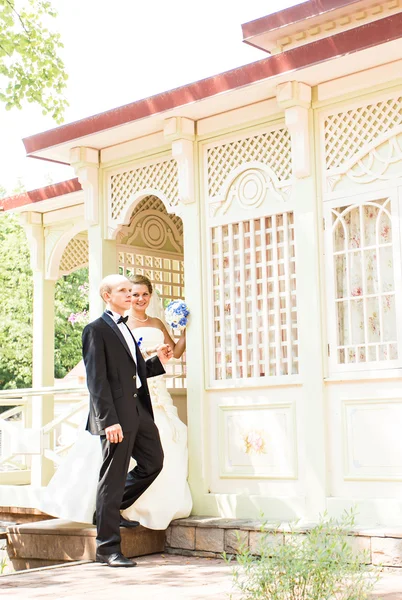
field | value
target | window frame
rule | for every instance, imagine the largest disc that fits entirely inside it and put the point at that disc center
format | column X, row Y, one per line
column 354, row 200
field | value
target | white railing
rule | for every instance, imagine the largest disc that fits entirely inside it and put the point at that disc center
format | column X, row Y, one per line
column 38, row 429
column 26, row 434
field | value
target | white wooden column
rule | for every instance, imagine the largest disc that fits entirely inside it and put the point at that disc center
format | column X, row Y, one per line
column 102, row 253
column 42, row 408
column 295, row 99
column 181, row 133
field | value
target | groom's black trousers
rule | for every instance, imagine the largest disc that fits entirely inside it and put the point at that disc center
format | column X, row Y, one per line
column 118, row 489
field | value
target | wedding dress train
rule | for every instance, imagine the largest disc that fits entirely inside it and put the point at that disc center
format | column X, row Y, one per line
column 71, row 492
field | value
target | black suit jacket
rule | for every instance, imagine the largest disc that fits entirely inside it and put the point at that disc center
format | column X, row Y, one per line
column 111, row 376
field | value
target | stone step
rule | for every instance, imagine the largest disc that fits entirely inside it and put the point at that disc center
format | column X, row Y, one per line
column 57, row 541
column 15, row 514
column 211, row 536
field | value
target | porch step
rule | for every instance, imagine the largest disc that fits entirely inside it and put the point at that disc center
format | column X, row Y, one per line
column 211, row 536
column 57, row 541
column 14, row 514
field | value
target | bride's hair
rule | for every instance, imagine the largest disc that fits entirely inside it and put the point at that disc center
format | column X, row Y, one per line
column 142, row 280
column 155, row 306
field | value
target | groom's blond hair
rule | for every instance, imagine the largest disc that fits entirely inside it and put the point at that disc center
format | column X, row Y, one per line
column 108, row 283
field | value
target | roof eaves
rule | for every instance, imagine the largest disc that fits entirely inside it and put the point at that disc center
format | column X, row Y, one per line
column 340, row 44
column 293, row 14
column 45, row 193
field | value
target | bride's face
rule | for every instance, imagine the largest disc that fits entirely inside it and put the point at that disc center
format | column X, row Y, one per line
column 140, row 298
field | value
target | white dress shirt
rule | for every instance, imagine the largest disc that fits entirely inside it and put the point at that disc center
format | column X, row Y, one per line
column 129, row 339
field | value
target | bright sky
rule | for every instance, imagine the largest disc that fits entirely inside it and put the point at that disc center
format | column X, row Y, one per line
column 118, row 52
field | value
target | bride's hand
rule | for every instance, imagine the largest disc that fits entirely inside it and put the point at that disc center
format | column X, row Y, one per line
column 164, row 353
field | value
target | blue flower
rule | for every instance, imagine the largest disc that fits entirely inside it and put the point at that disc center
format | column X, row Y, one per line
column 176, row 314
column 139, row 342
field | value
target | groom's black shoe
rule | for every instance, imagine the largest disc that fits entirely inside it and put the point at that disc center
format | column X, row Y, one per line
column 115, row 560
column 126, row 523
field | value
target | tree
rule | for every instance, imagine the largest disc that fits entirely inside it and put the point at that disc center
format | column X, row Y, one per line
column 71, row 314
column 16, row 295
column 15, row 305
column 30, row 65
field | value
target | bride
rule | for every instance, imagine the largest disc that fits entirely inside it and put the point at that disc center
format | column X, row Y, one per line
column 71, row 492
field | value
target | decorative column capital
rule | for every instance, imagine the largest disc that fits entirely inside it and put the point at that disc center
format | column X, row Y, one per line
column 85, row 162
column 33, row 226
column 294, row 98
column 178, row 128
column 181, row 133
column 293, row 93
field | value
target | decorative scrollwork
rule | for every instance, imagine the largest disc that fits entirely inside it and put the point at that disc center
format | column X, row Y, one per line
column 249, row 187
column 378, row 163
column 348, row 132
column 152, row 227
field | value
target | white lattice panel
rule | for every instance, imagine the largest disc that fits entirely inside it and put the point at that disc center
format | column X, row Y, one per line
column 75, row 256
column 272, row 148
column 160, row 176
column 166, row 274
column 254, row 298
column 365, row 291
column 347, row 132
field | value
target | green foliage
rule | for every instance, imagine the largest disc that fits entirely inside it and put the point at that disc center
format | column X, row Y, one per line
column 30, row 65
column 71, row 310
column 16, row 295
column 15, row 305
column 317, row 565
column 3, row 565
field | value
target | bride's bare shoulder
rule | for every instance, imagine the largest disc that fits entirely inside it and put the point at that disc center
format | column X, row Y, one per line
column 155, row 322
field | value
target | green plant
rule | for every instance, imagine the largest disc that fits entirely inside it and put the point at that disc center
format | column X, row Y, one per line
column 319, row 564
column 3, row 565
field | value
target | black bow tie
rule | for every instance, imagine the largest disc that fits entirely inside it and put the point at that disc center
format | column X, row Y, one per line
column 119, row 320
column 122, row 320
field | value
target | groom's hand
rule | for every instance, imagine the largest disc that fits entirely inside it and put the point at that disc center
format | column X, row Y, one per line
column 114, row 434
column 164, row 353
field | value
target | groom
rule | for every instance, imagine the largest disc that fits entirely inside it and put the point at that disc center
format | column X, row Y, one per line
column 120, row 412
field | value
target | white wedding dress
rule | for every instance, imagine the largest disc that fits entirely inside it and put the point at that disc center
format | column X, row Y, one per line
column 71, row 492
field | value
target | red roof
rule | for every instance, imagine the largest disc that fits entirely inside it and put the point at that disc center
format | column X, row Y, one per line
column 45, row 193
column 291, row 15
column 341, row 44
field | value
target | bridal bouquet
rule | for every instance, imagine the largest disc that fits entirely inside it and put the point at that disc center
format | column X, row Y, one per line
column 176, row 314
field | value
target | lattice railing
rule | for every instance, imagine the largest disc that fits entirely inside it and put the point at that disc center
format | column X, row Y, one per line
column 365, row 302
column 272, row 148
column 162, row 176
column 347, row 132
column 254, row 299
column 75, row 255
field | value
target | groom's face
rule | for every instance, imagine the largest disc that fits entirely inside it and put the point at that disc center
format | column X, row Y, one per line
column 119, row 297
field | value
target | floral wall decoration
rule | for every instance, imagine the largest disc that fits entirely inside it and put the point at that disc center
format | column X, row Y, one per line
column 254, row 442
